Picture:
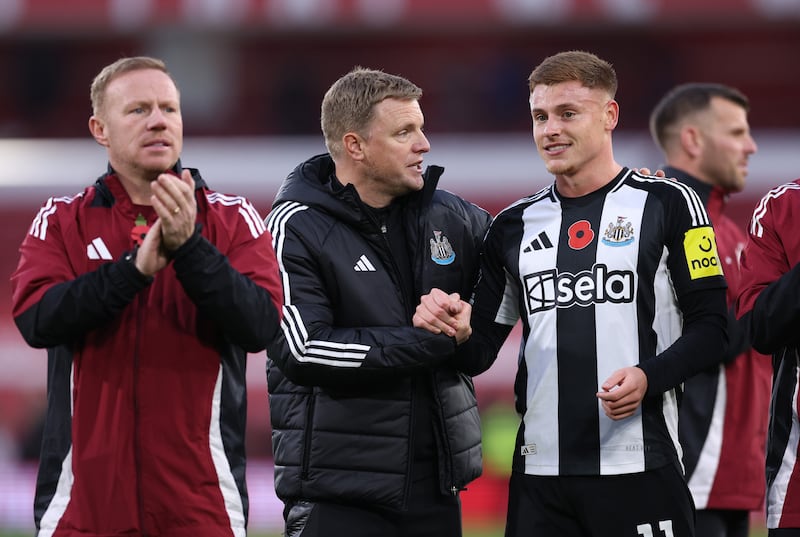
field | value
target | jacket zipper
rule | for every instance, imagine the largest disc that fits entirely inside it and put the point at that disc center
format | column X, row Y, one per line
column 398, row 278
column 312, row 403
column 405, row 300
column 410, row 445
column 441, row 425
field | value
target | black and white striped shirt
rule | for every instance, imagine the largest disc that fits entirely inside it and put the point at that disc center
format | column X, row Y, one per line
column 598, row 283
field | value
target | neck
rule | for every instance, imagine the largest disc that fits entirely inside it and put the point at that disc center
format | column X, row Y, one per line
column 138, row 188
column 586, row 181
column 366, row 188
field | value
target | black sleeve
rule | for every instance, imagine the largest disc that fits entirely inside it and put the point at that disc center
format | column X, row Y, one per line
column 68, row 310
column 312, row 349
column 738, row 338
column 479, row 352
column 244, row 311
column 704, row 334
column 774, row 321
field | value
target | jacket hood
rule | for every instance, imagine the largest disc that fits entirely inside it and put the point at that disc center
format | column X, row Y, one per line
column 310, row 183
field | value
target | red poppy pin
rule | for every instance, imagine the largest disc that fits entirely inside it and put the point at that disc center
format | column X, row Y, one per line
column 140, row 229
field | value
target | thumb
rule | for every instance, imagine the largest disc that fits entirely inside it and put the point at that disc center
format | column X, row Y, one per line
column 455, row 306
column 613, row 380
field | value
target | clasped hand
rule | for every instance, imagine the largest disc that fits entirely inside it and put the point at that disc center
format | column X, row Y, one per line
column 174, row 202
column 439, row 312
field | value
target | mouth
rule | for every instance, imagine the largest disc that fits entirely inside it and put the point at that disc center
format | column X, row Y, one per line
column 555, row 148
column 158, row 143
column 417, row 166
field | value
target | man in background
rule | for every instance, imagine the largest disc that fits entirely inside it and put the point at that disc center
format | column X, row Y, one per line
column 148, row 290
column 703, row 131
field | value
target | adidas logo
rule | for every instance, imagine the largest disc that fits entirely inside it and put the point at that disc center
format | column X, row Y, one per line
column 364, row 265
column 539, row 243
column 97, row 250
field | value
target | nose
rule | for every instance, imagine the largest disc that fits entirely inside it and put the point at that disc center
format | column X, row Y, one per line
column 422, row 145
column 551, row 127
column 750, row 146
column 157, row 119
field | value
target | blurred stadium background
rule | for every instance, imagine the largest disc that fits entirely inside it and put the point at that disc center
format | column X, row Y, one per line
column 252, row 75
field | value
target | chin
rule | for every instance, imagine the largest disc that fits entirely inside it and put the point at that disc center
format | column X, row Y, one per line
column 557, row 168
column 163, row 164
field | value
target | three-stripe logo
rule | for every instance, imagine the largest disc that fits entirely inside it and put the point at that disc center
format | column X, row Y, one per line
column 364, row 265
column 542, row 241
column 97, row 250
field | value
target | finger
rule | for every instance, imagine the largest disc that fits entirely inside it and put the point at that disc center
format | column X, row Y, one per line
column 431, row 317
column 623, row 413
column 617, row 417
column 613, row 382
column 432, row 324
column 608, row 397
column 455, row 304
column 419, row 322
column 175, row 187
column 441, row 298
column 187, row 178
column 166, row 195
column 438, row 303
column 164, row 207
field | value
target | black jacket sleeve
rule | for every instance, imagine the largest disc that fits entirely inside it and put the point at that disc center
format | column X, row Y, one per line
column 244, row 311
column 479, row 352
column 68, row 310
column 313, row 348
column 775, row 317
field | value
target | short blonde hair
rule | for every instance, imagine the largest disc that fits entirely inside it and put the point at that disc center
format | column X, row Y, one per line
column 123, row 65
column 349, row 103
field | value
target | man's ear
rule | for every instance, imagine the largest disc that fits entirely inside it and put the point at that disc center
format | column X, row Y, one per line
column 612, row 115
column 691, row 141
column 98, row 130
column 353, row 145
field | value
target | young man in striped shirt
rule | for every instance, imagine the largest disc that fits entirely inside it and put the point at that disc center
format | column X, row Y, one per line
column 621, row 295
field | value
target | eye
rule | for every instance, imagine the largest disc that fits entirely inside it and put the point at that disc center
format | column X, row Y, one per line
column 539, row 117
column 569, row 115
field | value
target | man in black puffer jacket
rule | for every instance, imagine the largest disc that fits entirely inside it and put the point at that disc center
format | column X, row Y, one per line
column 375, row 430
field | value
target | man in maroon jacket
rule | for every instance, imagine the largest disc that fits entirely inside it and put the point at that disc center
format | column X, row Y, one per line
column 704, row 134
column 768, row 304
column 148, row 290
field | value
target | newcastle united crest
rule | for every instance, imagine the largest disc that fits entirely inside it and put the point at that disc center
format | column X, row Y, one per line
column 441, row 251
column 619, row 234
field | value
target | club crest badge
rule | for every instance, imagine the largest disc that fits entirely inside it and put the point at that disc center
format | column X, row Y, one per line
column 619, row 233
column 441, row 251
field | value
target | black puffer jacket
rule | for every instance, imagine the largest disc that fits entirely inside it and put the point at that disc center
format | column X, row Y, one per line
column 341, row 374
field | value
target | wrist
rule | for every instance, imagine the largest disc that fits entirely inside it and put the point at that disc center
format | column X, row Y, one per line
column 131, row 259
